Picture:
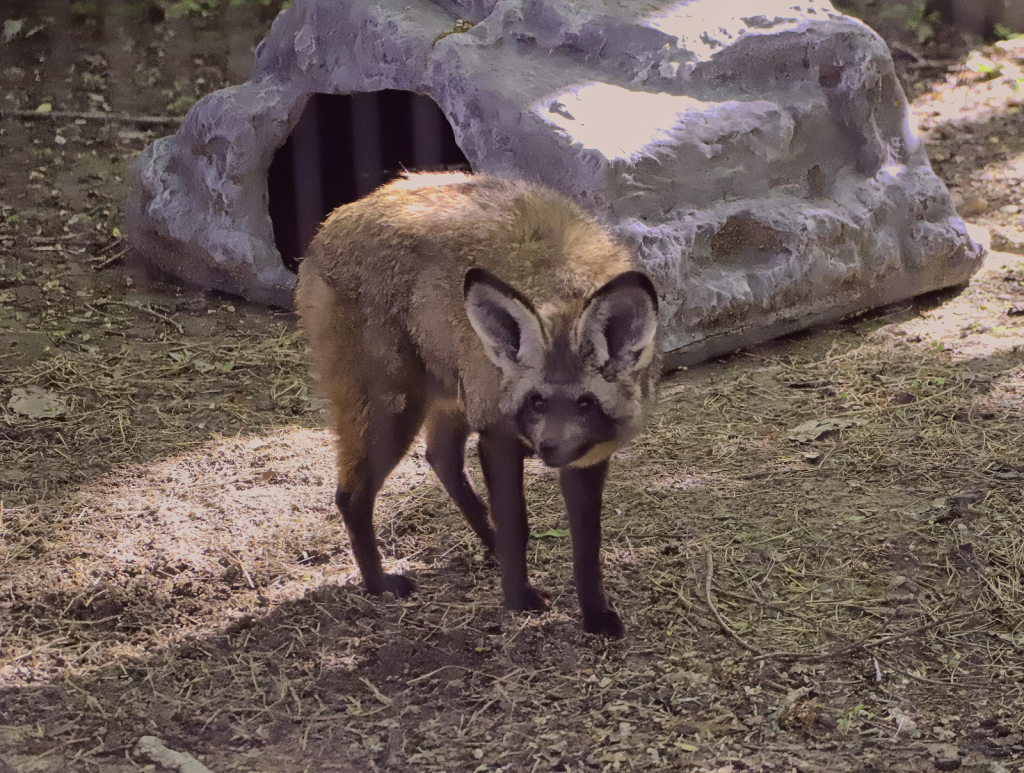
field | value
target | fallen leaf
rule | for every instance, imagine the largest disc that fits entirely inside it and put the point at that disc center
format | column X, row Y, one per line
column 45, row 107
column 895, row 582
column 12, row 27
column 905, row 726
column 37, row 403
column 817, row 429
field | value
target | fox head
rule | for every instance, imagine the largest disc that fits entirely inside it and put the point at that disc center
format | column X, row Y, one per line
column 577, row 383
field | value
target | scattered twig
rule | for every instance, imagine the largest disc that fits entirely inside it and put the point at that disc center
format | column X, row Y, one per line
column 863, row 644
column 376, row 693
column 897, row 406
column 106, row 248
column 722, row 622
column 111, row 260
column 920, row 61
column 895, row 45
column 146, row 309
column 65, row 115
column 163, row 317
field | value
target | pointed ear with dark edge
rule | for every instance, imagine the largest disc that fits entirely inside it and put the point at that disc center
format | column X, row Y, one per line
column 618, row 326
column 505, row 321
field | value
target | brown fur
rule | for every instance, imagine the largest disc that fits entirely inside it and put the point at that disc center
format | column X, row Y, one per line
column 399, row 256
column 381, row 299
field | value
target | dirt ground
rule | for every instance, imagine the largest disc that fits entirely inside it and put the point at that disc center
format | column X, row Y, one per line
column 817, row 549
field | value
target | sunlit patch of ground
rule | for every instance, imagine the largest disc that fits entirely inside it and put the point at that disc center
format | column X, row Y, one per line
column 972, row 126
column 982, row 321
column 986, row 86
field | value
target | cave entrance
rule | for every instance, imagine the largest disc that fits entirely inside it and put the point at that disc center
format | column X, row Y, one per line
column 345, row 146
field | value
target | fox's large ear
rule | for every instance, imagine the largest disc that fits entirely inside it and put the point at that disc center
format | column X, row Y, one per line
column 505, row 320
column 617, row 329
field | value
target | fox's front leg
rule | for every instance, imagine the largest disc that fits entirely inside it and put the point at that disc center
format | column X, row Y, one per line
column 582, row 490
column 501, row 457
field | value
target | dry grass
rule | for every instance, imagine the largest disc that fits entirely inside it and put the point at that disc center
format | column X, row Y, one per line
column 144, row 400
column 835, row 599
column 169, row 566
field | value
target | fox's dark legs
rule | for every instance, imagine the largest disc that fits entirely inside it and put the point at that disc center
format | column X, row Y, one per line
column 582, row 490
column 501, row 457
column 384, row 444
column 446, row 453
column 357, row 511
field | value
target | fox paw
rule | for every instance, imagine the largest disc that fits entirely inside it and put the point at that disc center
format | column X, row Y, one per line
column 397, row 585
column 528, row 599
column 604, row 623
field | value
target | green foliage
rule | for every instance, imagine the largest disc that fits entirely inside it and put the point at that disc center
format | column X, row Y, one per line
column 1003, row 32
column 915, row 18
column 853, row 718
column 281, row 4
column 145, row 76
column 182, row 104
column 182, row 9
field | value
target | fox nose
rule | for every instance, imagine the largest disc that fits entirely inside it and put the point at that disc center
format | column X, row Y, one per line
column 547, row 448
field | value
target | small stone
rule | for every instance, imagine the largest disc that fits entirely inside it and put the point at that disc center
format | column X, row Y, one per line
column 1010, row 209
column 827, row 721
column 948, row 763
column 976, row 205
column 1009, row 240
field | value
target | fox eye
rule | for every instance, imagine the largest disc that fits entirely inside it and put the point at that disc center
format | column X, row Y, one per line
column 538, row 403
column 586, row 402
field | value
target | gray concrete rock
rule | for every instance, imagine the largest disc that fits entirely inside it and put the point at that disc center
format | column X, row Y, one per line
column 763, row 166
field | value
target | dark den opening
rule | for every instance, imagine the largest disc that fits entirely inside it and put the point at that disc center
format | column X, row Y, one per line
column 345, row 146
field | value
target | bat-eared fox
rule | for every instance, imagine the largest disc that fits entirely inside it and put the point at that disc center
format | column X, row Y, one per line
column 467, row 303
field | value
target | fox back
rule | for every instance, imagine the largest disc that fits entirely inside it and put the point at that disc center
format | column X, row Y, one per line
column 472, row 303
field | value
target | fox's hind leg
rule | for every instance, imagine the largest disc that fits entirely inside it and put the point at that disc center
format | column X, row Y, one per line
column 446, row 452
column 364, row 464
column 374, row 418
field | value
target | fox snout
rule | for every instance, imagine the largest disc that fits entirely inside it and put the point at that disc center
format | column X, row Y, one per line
column 555, row 455
column 563, row 430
